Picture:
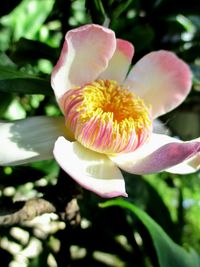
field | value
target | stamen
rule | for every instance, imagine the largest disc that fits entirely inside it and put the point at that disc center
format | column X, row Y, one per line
column 106, row 117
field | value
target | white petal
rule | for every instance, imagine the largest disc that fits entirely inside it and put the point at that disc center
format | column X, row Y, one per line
column 29, row 140
column 188, row 166
column 92, row 170
column 160, row 153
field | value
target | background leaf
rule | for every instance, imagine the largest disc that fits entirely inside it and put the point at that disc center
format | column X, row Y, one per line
column 169, row 253
column 14, row 81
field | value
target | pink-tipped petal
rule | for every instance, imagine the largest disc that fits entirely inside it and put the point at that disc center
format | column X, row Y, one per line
column 120, row 62
column 85, row 54
column 188, row 166
column 160, row 153
column 92, row 170
column 162, row 80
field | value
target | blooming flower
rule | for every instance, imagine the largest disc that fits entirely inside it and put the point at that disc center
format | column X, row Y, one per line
column 108, row 113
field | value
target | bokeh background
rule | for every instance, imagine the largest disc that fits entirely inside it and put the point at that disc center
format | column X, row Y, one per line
column 73, row 229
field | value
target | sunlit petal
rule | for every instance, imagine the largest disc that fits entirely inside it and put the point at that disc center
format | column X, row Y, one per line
column 160, row 153
column 162, row 80
column 92, row 170
column 188, row 166
column 30, row 139
column 85, row 54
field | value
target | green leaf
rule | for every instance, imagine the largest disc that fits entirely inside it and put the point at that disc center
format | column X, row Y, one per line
column 120, row 9
column 5, row 100
column 7, row 7
column 145, row 195
column 196, row 76
column 29, row 51
column 96, row 10
column 168, row 252
column 14, row 81
column 6, row 61
column 27, row 18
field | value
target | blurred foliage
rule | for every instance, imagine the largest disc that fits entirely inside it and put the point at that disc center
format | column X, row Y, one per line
column 31, row 37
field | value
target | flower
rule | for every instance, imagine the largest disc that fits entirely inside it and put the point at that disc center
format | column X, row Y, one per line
column 108, row 113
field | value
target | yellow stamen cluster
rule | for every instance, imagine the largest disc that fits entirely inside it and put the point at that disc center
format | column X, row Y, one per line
column 106, row 117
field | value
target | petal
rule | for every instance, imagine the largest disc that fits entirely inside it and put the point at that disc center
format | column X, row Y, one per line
column 160, row 153
column 162, row 80
column 85, row 54
column 119, row 63
column 92, row 170
column 188, row 166
column 29, row 140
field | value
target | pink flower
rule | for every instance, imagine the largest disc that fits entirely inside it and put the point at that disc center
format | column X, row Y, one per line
column 109, row 112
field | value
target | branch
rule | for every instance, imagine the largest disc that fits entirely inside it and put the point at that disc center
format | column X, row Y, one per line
column 61, row 198
column 24, row 211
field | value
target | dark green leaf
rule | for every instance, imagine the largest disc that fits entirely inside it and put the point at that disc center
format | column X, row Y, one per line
column 14, row 81
column 8, row 6
column 141, row 192
column 96, row 10
column 5, row 100
column 121, row 8
column 168, row 252
column 6, row 61
column 29, row 51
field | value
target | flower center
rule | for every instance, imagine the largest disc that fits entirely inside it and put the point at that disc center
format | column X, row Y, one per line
column 106, row 117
